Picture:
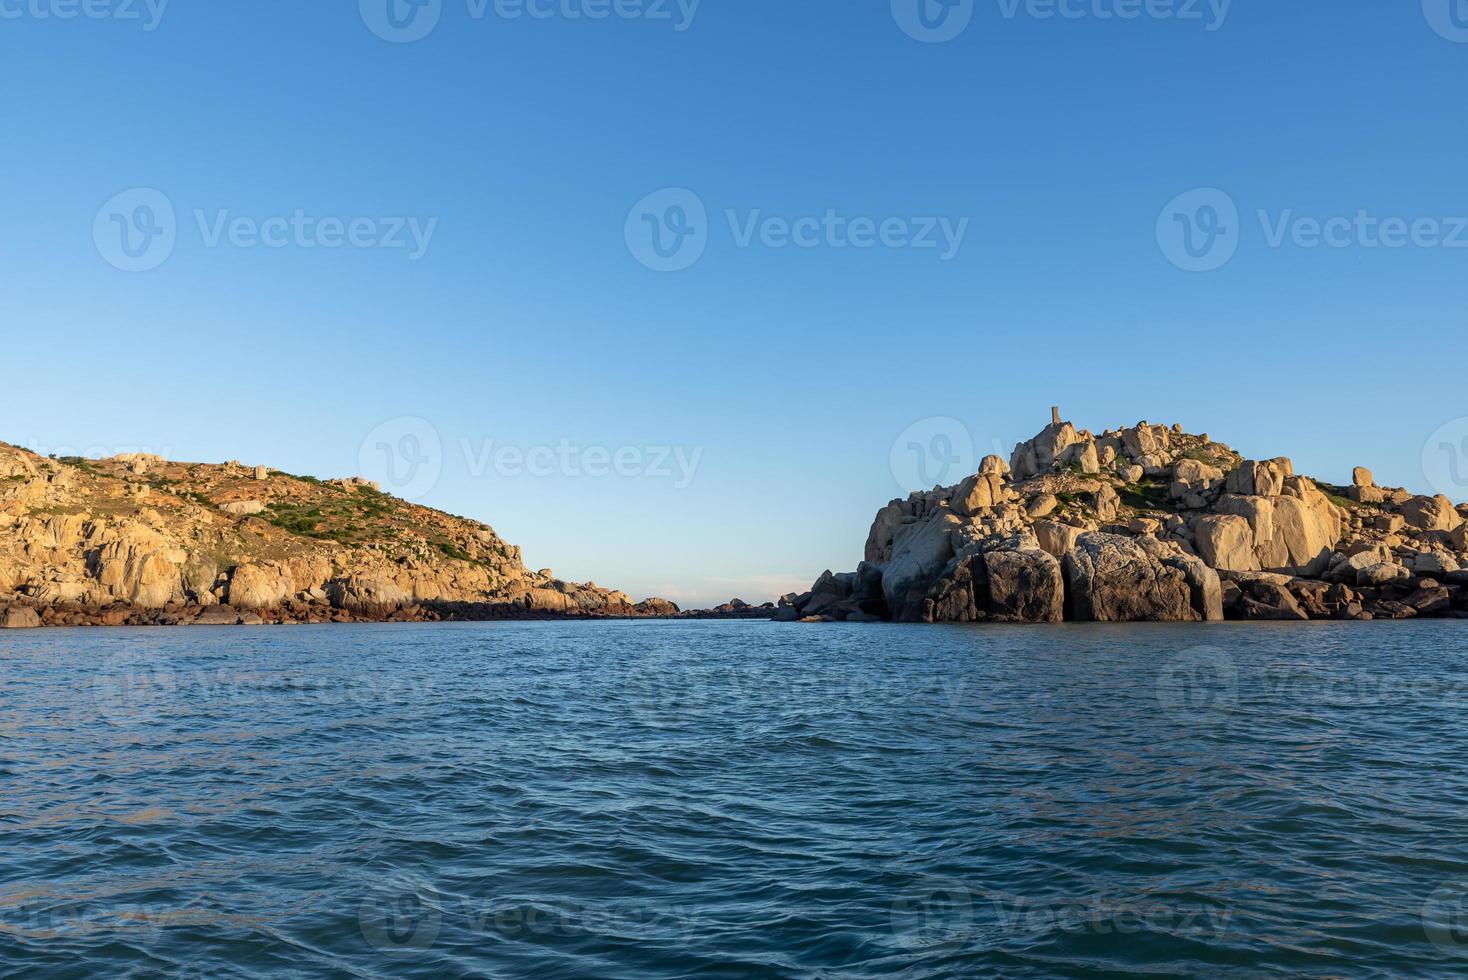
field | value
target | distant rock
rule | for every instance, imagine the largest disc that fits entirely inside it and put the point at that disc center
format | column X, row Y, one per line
column 19, row 618
column 1148, row 522
column 140, row 539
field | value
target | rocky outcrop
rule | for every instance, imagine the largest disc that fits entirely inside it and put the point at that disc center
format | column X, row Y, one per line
column 1013, row 581
column 140, row 539
column 1116, row 579
column 1151, row 523
column 920, row 550
column 19, row 618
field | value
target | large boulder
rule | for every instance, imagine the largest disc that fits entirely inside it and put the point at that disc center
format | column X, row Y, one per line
column 1294, row 532
column 1056, row 538
column 1226, row 541
column 884, row 531
column 263, row 586
column 1145, row 440
column 984, row 490
column 1431, row 514
column 1083, row 455
column 1382, row 573
column 955, row 597
column 919, row 552
column 1308, row 526
column 1434, row 564
column 1366, row 495
column 1253, row 478
column 1264, row 600
column 1189, row 476
column 1041, row 453
column 137, row 564
column 1113, row 578
column 1012, row 582
column 1025, row 586
column 19, row 618
column 372, row 594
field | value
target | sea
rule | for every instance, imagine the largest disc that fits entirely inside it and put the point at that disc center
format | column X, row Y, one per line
column 735, row 799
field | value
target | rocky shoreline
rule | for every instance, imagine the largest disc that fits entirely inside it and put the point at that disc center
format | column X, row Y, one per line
column 1149, row 523
column 301, row 613
column 136, row 539
column 1145, row 523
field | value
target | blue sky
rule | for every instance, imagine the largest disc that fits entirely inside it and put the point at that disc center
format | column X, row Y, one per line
column 529, row 151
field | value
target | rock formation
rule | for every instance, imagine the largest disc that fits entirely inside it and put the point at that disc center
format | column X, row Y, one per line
column 139, row 539
column 1149, row 523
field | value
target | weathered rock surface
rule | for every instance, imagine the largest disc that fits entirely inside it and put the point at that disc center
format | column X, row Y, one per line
column 140, row 539
column 1025, row 586
column 1117, row 579
column 1151, row 523
column 19, row 618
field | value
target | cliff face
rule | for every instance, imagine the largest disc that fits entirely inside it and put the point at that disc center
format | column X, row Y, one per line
column 1149, row 523
column 138, row 538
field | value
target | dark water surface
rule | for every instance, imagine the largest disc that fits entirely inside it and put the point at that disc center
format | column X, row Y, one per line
column 735, row 800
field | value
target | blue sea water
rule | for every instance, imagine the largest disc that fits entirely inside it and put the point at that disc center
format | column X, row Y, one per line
column 735, row 799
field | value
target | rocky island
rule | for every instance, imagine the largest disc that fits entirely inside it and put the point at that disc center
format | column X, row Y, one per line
column 1149, row 523
column 139, row 540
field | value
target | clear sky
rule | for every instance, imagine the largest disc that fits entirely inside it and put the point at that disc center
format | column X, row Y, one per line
column 274, row 231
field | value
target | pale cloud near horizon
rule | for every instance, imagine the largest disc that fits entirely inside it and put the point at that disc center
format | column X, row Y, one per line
column 753, row 589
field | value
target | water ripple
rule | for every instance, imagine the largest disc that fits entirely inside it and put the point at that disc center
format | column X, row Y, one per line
column 735, row 800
